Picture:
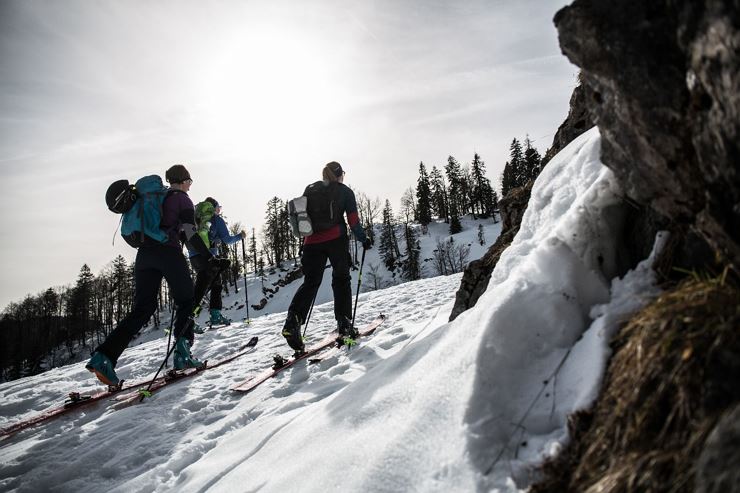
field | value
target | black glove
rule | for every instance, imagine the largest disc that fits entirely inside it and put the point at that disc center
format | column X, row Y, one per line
column 219, row 263
column 367, row 244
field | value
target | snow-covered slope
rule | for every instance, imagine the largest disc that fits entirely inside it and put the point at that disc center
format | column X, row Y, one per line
column 279, row 301
column 422, row 405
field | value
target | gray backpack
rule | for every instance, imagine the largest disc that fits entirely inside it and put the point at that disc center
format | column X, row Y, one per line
column 300, row 223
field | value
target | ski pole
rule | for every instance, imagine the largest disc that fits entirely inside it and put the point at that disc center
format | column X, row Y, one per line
column 308, row 319
column 246, row 291
column 169, row 337
column 359, row 283
column 146, row 392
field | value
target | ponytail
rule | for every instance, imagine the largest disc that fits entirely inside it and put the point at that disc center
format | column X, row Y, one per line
column 332, row 171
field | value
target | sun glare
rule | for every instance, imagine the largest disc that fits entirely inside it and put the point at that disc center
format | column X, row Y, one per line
column 267, row 87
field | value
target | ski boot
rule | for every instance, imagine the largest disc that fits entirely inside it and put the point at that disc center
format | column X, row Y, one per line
column 347, row 332
column 197, row 329
column 218, row 319
column 182, row 358
column 103, row 368
column 292, row 333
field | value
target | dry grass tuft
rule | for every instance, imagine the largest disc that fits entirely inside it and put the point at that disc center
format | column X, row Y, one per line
column 674, row 371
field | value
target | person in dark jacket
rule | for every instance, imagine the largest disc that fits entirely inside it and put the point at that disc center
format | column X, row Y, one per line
column 329, row 200
column 154, row 261
column 217, row 233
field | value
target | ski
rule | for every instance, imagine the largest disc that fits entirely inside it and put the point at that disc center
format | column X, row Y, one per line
column 175, row 375
column 76, row 399
column 211, row 326
column 282, row 363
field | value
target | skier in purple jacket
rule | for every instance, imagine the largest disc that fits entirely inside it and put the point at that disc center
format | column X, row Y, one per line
column 154, row 261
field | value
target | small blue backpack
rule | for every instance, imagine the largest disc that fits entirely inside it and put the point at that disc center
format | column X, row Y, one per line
column 142, row 214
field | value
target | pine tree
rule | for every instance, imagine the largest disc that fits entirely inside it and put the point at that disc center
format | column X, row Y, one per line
column 491, row 202
column 467, row 189
column 80, row 304
column 122, row 285
column 517, row 164
column 411, row 268
column 387, row 246
column 454, row 178
column 274, row 231
column 531, row 161
column 481, row 186
column 507, row 179
column 423, row 198
column 455, row 225
column 253, row 250
column 439, row 194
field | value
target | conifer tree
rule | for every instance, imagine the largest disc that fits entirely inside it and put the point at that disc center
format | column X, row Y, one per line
column 411, row 268
column 439, row 194
column 531, row 161
column 455, row 225
column 507, row 179
column 516, row 158
column 80, row 305
column 481, row 186
column 253, row 250
column 423, row 198
column 273, row 231
column 387, row 246
column 455, row 190
column 491, row 202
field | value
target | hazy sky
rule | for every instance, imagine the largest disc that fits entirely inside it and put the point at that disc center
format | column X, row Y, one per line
column 254, row 97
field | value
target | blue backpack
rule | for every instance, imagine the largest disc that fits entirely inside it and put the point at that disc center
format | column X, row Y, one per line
column 143, row 219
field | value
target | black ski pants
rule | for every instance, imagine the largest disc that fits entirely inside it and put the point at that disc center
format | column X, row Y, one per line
column 313, row 262
column 152, row 264
column 204, row 276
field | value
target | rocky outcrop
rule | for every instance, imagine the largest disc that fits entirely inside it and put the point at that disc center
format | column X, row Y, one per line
column 717, row 470
column 661, row 79
column 662, row 82
column 512, row 207
column 478, row 272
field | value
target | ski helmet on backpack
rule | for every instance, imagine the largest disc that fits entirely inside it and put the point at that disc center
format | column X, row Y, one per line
column 120, row 196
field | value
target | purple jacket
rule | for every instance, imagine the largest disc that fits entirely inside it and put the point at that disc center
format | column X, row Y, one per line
column 177, row 210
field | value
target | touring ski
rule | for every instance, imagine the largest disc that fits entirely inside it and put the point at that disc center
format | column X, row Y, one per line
column 281, row 363
column 76, row 399
column 175, row 375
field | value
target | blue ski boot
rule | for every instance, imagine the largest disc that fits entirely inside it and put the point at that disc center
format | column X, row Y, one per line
column 182, row 358
column 102, row 367
column 218, row 319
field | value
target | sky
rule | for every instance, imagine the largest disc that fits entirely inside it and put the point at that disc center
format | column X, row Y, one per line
column 254, row 97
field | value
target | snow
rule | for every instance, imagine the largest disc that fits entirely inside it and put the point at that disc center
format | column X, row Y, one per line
column 422, row 405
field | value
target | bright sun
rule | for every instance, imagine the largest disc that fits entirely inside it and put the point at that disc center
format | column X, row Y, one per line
column 267, row 86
